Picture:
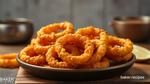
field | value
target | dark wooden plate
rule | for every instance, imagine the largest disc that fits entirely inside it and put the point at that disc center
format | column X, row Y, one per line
column 76, row 74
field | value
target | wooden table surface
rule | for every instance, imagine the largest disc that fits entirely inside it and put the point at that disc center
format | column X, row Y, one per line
column 9, row 75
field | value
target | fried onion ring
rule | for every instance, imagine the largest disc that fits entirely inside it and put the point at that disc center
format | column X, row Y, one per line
column 99, row 37
column 40, row 46
column 90, row 31
column 8, row 60
column 56, row 29
column 8, row 56
column 118, row 47
column 78, row 40
column 29, row 55
column 43, row 41
column 53, row 59
column 121, row 58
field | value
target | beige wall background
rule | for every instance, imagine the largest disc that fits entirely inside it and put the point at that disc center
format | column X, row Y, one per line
column 80, row 12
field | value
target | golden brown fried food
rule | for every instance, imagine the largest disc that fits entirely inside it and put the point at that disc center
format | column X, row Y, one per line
column 90, row 31
column 8, row 60
column 39, row 47
column 104, row 63
column 56, row 29
column 118, row 47
column 29, row 55
column 78, row 40
column 121, row 58
column 54, row 60
column 56, row 45
column 43, row 41
column 99, row 38
column 8, row 56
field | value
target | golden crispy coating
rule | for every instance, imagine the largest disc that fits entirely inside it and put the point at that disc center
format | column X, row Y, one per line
column 121, row 58
column 99, row 38
column 104, row 63
column 8, row 60
column 90, row 31
column 54, row 60
column 29, row 55
column 118, row 47
column 79, row 41
column 56, row 45
column 56, row 29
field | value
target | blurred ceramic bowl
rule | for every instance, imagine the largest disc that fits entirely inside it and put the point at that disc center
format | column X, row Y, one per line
column 19, row 30
column 135, row 28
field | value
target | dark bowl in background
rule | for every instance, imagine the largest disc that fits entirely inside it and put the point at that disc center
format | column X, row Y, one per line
column 135, row 28
column 13, row 31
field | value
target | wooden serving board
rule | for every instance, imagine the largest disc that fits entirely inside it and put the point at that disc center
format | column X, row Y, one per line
column 136, row 70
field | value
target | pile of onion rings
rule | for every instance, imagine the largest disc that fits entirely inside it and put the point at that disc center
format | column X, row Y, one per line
column 58, row 45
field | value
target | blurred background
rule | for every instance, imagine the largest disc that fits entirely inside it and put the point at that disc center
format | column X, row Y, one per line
column 80, row 12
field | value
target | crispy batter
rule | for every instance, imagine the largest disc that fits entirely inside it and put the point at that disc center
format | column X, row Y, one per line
column 99, row 38
column 104, row 63
column 29, row 55
column 121, row 58
column 54, row 60
column 38, row 47
column 8, row 56
column 118, row 47
column 79, row 41
column 8, row 60
column 56, row 29
column 90, row 31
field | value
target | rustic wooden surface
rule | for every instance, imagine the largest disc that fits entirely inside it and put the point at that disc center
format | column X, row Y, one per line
column 8, row 76
column 80, row 12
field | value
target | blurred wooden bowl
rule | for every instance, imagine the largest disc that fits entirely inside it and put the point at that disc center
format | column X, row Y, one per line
column 135, row 28
column 13, row 31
